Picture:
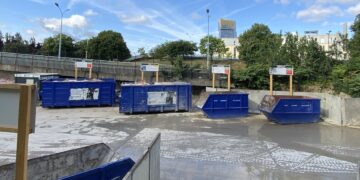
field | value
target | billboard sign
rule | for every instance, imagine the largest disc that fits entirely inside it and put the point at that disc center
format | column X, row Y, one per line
column 281, row 70
column 220, row 69
column 83, row 64
column 149, row 67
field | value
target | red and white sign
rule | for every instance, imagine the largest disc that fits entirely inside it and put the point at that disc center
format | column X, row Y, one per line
column 220, row 69
column 282, row 70
column 83, row 64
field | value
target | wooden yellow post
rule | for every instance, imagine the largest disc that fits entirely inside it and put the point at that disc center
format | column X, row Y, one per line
column 229, row 80
column 142, row 77
column 90, row 72
column 157, row 76
column 213, row 80
column 23, row 133
column 76, row 72
column 291, row 85
column 271, row 84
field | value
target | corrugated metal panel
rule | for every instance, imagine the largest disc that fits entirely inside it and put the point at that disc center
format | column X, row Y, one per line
column 291, row 109
column 155, row 98
column 227, row 105
column 71, row 93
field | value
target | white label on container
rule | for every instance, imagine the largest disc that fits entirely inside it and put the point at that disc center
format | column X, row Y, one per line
column 84, row 94
column 161, row 98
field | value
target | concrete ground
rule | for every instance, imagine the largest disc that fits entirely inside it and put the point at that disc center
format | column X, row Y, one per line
column 194, row 147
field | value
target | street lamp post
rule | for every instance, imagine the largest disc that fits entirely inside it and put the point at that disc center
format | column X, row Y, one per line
column 328, row 46
column 208, row 40
column 62, row 15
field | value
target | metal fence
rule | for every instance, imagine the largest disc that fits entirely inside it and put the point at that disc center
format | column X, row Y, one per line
column 148, row 166
column 114, row 68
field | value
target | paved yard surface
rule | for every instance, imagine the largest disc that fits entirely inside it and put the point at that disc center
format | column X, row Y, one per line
column 194, row 147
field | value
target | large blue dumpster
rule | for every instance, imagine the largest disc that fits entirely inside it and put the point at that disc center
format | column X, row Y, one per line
column 227, row 105
column 291, row 109
column 76, row 93
column 161, row 97
column 114, row 170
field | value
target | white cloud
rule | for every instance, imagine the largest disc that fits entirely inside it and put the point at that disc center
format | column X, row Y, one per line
column 30, row 32
column 90, row 12
column 74, row 21
column 318, row 13
column 354, row 10
column 39, row 1
column 233, row 12
column 196, row 16
column 281, row 2
column 134, row 19
column 336, row 1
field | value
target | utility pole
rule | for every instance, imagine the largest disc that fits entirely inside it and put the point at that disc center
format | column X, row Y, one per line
column 208, row 40
column 62, row 15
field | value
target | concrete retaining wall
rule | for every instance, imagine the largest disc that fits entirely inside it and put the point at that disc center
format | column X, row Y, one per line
column 343, row 111
column 61, row 164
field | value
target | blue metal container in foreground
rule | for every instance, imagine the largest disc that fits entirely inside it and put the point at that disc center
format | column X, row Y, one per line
column 291, row 109
column 161, row 97
column 114, row 170
column 229, row 105
column 78, row 93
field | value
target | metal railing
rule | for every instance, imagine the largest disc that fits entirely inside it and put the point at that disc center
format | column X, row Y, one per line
column 148, row 166
column 112, row 68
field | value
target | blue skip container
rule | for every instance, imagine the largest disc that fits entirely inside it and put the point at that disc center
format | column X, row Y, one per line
column 77, row 93
column 115, row 170
column 161, row 97
column 291, row 109
column 228, row 105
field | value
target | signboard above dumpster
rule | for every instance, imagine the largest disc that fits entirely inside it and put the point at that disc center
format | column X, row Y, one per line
column 83, row 64
column 149, row 67
column 281, row 70
column 220, row 69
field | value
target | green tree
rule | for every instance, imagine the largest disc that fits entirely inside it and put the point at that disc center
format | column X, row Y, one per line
column 15, row 44
column 1, row 41
column 80, row 48
column 51, row 46
column 259, row 45
column 174, row 49
column 141, row 51
column 354, row 43
column 108, row 45
column 216, row 46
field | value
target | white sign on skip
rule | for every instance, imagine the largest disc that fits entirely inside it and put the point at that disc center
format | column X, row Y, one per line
column 149, row 67
column 83, row 64
column 220, row 69
column 281, row 70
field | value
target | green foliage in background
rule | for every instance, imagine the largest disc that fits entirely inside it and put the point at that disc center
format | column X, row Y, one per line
column 217, row 46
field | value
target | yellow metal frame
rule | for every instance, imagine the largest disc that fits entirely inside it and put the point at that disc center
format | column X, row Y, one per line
column 27, row 93
column 156, row 74
column 290, row 85
column 76, row 71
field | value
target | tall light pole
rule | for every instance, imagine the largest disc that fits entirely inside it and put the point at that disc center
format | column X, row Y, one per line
column 208, row 40
column 62, row 15
column 328, row 41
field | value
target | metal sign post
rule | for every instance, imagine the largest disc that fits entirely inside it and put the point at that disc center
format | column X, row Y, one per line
column 85, row 65
column 149, row 68
column 221, row 69
column 282, row 70
column 17, row 115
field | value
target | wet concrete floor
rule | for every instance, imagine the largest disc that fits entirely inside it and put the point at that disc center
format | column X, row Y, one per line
column 194, row 147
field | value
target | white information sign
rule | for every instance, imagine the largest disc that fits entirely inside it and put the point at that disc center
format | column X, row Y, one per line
column 83, row 64
column 220, row 69
column 282, row 70
column 149, row 67
column 10, row 107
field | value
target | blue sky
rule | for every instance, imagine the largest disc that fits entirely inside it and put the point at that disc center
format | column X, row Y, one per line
column 145, row 23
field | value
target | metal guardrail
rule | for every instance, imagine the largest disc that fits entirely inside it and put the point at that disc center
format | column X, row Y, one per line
column 148, row 166
column 114, row 68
